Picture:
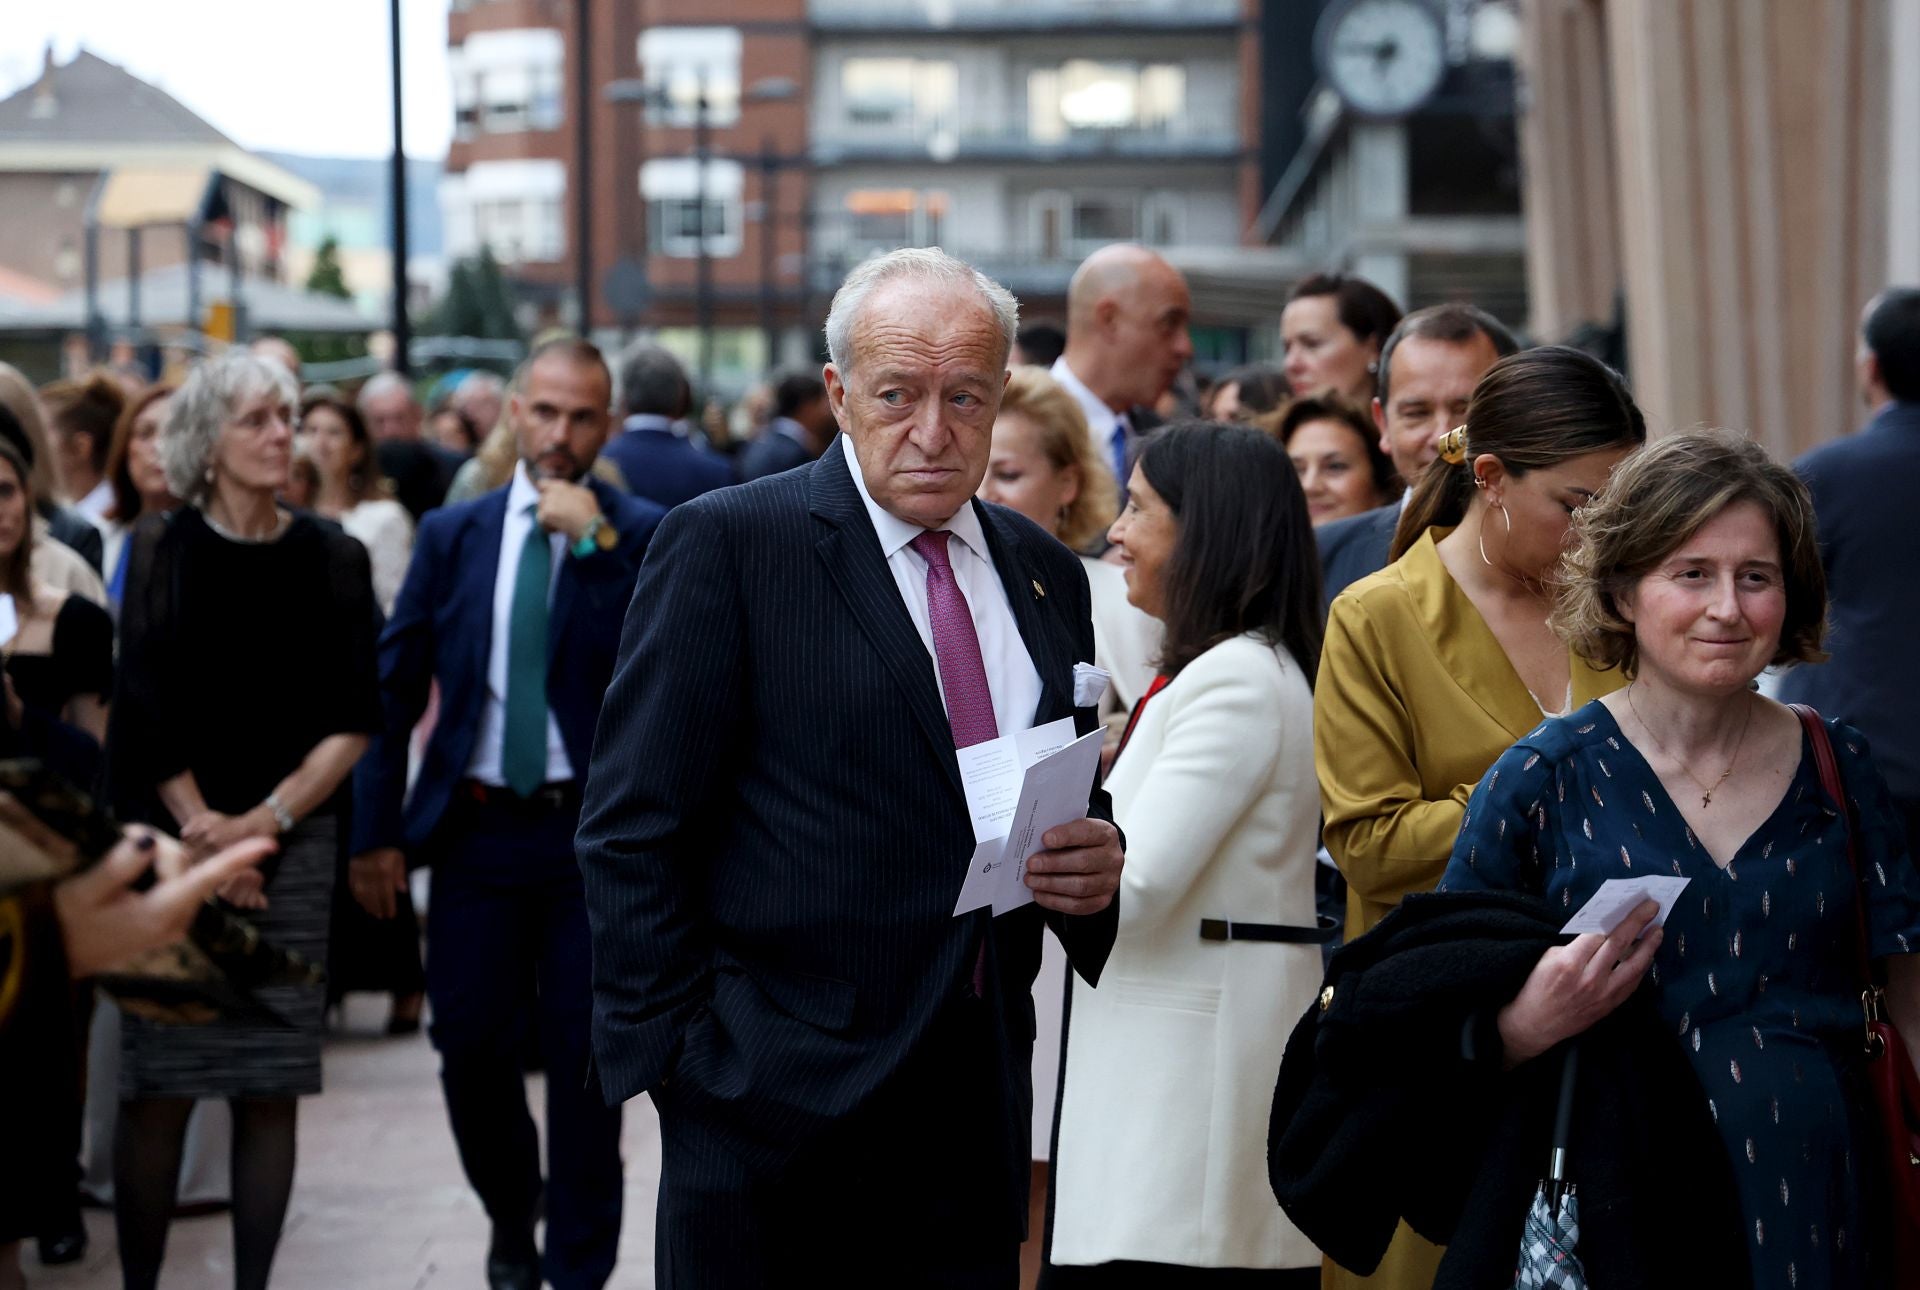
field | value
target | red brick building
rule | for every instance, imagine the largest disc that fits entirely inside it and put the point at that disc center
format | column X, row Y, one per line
column 1017, row 133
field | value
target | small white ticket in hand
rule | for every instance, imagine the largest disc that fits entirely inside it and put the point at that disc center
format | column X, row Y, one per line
column 1619, row 897
column 1016, row 794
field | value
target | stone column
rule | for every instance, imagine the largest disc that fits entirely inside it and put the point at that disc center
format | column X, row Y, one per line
column 1750, row 177
column 1566, row 147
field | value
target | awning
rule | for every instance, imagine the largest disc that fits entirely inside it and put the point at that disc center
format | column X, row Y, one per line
column 140, row 196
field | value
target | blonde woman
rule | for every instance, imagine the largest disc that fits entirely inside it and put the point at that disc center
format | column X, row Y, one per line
column 1045, row 466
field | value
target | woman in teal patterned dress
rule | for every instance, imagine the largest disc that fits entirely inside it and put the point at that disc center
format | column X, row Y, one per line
column 1695, row 570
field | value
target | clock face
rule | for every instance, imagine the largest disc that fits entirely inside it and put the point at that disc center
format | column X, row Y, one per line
column 1384, row 57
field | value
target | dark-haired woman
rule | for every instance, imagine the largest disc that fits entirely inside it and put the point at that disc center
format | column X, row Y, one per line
column 1333, row 326
column 138, row 481
column 58, row 667
column 349, row 489
column 1437, row 663
column 1247, row 393
column 1336, row 450
column 1160, row 1170
column 366, row 953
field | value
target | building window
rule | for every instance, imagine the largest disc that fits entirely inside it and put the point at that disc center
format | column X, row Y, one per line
column 543, row 97
column 516, row 207
column 685, row 62
column 907, row 95
column 681, row 202
column 1082, row 96
column 674, row 225
column 1102, row 219
column 507, row 81
column 1163, row 219
column 885, row 219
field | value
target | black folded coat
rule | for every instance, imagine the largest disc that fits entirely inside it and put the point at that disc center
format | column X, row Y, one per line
column 1392, row 1103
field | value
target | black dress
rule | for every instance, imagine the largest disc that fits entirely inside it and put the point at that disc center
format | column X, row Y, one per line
column 81, row 660
column 236, row 658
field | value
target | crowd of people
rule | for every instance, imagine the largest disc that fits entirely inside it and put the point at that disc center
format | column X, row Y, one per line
column 1396, row 650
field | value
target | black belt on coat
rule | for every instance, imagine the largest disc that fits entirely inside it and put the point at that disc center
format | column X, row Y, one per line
column 1220, row 929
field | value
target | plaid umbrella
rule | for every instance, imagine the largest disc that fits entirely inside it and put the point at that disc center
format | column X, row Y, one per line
column 1549, row 1257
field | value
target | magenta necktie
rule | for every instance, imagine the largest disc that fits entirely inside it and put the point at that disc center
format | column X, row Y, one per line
column 956, row 649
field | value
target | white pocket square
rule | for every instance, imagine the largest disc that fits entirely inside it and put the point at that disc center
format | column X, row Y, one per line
column 1089, row 684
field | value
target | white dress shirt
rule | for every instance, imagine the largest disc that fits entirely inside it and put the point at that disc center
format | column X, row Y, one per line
column 1011, row 676
column 96, row 504
column 522, row 498
column 1101, row 419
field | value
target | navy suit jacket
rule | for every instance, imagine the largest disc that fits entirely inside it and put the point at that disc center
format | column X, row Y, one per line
column 1863, row 499
column 664, row 468
column 771, row 454
column 442, row 630
column 1352, row 548
column 775, row 834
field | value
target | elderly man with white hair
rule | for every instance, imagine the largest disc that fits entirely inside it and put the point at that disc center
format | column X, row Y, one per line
column 775, row 832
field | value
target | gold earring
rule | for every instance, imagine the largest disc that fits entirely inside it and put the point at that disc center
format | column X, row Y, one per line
column 1480, row 538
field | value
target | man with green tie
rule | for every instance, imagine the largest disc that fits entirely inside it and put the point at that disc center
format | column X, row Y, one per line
column 513, row 604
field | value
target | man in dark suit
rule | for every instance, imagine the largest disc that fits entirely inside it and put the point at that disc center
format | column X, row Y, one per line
column 1862, row 488
column 1127, row 343
column 801, row 427
column 776, row 832
column 421, row 470
column 512, row 604
column 1428, row 369
column 655, row 456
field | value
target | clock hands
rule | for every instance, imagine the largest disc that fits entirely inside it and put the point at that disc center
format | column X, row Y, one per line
column 1384, row 50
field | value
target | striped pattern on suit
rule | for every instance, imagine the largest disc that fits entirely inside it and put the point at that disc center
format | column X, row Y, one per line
column 774, row 833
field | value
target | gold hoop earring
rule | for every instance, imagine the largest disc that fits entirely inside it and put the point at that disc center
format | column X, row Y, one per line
column 1480, row 538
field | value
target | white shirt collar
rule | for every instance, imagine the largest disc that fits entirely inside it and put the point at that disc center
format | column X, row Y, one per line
column 654, row 421
column 894, row 532
column 521, row 493
column 1100, row 417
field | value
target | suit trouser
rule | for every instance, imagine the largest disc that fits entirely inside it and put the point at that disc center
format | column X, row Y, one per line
column 912, row 1191
column 508, row 956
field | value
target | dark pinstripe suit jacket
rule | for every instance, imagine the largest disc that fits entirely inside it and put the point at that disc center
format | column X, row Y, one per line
column 774, row 832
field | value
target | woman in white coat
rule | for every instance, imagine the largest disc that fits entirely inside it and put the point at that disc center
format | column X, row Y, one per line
column 1160, row 1167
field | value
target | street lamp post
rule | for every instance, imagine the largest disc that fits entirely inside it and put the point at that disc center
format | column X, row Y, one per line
column 772, row 89
column 769, row 232
column 402, row 328
column 582, row 171
column 703, row 264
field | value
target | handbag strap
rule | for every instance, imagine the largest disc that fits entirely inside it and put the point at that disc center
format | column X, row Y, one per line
column 1829, row 768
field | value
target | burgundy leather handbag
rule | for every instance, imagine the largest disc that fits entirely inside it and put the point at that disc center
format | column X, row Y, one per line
column 1896, row 1089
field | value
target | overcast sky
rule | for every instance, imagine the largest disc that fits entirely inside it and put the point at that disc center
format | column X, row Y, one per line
column 270, row 74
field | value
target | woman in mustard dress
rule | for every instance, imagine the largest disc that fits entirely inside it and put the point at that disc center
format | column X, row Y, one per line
column 1434, row 666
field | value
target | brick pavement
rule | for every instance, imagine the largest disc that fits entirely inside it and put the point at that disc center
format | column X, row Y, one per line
column 379, row 1202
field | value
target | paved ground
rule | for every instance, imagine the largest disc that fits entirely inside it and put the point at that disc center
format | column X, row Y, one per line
column 379, row 1202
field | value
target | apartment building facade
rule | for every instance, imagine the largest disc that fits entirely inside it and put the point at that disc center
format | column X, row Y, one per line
column 1019, row 135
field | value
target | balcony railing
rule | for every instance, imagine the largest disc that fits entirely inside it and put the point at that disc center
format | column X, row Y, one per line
column 1023, row 273
column 1174, row 141
column 875, row 16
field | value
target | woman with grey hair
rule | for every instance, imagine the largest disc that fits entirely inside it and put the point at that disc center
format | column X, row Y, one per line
column 247, row 690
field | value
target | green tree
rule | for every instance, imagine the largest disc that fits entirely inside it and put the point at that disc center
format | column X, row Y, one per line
column 478, row 302
column 326, row 277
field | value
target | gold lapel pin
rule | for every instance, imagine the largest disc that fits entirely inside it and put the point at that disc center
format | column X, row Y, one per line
column 1039, row 590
